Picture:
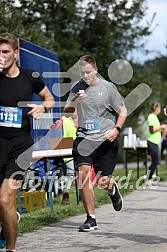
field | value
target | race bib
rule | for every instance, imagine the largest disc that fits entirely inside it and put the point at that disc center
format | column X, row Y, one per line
column 11, row 117
column 91, row 126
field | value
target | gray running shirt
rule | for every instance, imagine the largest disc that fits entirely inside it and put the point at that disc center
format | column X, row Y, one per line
column 101, row 103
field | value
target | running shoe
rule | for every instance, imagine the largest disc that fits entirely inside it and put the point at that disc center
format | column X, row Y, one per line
column 89, row 225
column 2, row 239
column 116, row 199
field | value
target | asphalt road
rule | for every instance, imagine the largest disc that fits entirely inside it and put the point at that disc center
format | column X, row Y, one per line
column 140, row 227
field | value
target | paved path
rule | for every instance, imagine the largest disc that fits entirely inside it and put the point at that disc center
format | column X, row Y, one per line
column 140, row 227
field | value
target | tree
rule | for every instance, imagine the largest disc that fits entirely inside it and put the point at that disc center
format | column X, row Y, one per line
column 58, row 22
column 14, row 20
column 106, row 29
column 111, row 29
column 159, row 84
column 10, row 17
column 149, row 74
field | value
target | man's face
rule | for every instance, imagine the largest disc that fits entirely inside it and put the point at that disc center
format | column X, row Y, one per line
column 9, row 54
column 88, row 74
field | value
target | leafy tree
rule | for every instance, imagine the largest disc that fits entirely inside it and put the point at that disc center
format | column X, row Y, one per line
column 160, row 63
column 106, row 29
column 10, row 17
column 111, row 29
column 159, row 84
column 149, row 74
column 13, row 20
column 58, row 22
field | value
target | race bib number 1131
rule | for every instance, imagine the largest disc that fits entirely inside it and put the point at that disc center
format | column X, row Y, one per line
column 11, row 117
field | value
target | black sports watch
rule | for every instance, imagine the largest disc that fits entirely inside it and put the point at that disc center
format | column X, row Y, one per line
column 118, row 128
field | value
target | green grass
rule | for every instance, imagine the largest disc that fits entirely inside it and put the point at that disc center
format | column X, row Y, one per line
column 39, row 218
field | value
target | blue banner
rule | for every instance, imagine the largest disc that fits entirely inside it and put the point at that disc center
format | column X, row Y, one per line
column 42, row 60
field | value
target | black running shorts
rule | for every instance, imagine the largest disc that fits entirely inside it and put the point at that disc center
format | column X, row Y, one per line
column 12, row 163
column 102, row 155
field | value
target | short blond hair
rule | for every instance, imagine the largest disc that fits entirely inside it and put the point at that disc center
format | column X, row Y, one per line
column 87, row 59
column 9, row 39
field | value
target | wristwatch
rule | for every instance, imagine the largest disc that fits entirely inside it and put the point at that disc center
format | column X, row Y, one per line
column 118, row 128
column 45, row 108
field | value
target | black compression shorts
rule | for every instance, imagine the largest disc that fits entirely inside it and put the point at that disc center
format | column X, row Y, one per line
column 10, row 149
column 101, row 155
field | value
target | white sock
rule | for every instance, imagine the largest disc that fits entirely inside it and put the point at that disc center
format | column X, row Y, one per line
column 93, row 216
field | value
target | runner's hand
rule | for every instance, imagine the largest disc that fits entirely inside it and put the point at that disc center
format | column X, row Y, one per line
column 37, row 110
column 111, row 135
column 79, row 96
column 56, row 124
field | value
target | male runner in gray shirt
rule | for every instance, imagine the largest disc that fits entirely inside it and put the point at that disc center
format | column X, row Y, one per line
column 96, row 101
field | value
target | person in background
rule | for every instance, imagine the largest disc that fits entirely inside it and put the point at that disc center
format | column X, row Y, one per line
column 164, row 136
column 16, row 85
column 96, row 101
column 154, row 129
column 70, row 126
column 164, row 142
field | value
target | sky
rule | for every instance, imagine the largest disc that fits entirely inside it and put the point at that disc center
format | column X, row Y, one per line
column 158, row 39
